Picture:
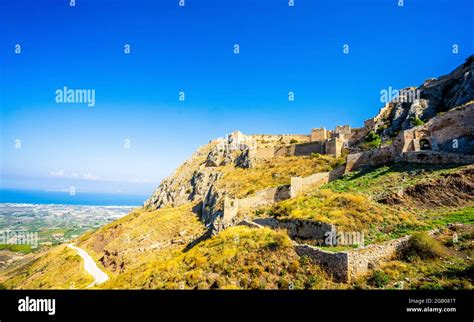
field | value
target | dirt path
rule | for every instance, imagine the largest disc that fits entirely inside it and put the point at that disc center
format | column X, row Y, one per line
column 91, row 267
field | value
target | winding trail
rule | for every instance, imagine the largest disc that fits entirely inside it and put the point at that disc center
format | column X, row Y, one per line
column 91, row 267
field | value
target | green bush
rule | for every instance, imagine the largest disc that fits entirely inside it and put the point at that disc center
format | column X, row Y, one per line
column 415, row 121
column 421, row 245
column 372, row 136
column 25, row 249
column 293, row 141
column 372, row 140
column 380, row 279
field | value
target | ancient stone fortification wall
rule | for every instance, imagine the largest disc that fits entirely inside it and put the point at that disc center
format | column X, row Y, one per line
column 374, row 157
column 300, row 185
column 357, row 134
column 319, row 134
column 308, row 148
column 300, row 149
column 346, row 266
column 362, row 259
column 305, row 229
column 265, row 153
column 334, row 147
column 335, row 264
column 440, row 131
column 434, row 157
column 454, row 124
column 280, row 138
column 265, row 197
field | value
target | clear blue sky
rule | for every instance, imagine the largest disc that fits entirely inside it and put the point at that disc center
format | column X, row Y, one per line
column 190, row 49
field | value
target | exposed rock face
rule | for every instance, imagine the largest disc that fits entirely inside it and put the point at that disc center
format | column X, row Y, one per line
column 113, row 261
column 194, row 180
column 435, row 96
column 244, row 160
column 188, row 183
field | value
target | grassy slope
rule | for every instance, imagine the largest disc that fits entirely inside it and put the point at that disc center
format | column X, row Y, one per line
column 239, row 257
column 58, row 268
column 350, row 203
column 272, row 173
column 142, row 233
column 453, row 268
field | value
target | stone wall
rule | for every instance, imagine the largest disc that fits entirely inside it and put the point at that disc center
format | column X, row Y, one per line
column 231, row 208
column 348, row 265
column 335, row 264
column 298, row 228
column 265, row 152
column 273, row 139
column 374, row 157
column 435, row 157
column 300, row 149
column 319, row 134
column 265, row 197
column 456, row 124
column 299, row 185
column 361, row 260
column 334, row 147
column 343, row 129
column 308, row 148
column 357, row 135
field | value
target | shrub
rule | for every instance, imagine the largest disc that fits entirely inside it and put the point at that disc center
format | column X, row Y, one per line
column 372, row 136
column 372, row 140
column 380, row 279
column 293, row 141
column 415, row 121
column 421, row 245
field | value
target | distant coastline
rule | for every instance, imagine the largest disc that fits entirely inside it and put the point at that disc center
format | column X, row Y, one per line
column 18, row 196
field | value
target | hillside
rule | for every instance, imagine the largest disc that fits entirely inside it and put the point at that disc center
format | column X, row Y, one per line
column 255, row 211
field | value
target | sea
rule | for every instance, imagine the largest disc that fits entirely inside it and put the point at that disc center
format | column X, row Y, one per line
column 64, row 198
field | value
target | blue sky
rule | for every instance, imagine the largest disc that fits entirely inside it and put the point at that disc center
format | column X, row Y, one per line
column 190, row 49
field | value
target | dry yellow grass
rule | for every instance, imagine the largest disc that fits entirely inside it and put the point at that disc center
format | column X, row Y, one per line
column 237, row 258
column 142, row 232
column 272, row 173
column 58, row 268
column 348, row 211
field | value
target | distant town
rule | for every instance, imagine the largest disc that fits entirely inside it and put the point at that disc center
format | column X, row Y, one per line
column 55, row 224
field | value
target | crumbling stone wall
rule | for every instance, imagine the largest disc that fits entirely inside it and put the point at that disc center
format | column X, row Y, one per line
column 348, row 265
column 361, row 260
column 335, row 264
column 435, row 157
column 261, row 198
column 451, row 132
column 374, row 157
column 299, row 149
column 265, row 197
column 298, row 228
column 300, row 185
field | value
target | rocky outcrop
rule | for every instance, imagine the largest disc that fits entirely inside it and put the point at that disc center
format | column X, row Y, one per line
column 434, row 96
column 194, row 180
